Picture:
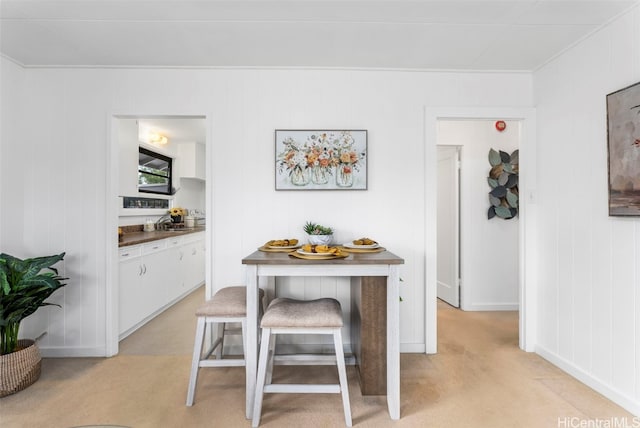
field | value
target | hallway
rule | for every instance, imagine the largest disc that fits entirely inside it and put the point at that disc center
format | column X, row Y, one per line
column 479, row 378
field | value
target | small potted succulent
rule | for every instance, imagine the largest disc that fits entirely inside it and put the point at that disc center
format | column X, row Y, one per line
column 318, row 234
column 24, row 286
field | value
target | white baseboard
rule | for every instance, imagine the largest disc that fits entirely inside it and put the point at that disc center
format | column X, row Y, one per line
column 491, row 307
column 621, row 399
column 413, row 348
column 64, row 352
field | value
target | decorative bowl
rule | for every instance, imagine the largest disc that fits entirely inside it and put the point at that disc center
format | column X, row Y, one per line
column 320, row 239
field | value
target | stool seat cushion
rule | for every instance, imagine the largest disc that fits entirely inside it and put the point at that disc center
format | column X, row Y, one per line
column 284, row 312
column 227, row 302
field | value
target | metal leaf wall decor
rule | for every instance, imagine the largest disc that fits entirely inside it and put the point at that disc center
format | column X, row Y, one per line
column 503, row 180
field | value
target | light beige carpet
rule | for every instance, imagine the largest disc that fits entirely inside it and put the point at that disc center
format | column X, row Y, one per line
column 479, row 378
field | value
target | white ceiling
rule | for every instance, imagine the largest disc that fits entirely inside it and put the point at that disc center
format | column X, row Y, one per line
column 398, row 34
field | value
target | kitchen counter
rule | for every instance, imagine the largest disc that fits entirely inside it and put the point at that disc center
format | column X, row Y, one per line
column 134, row 238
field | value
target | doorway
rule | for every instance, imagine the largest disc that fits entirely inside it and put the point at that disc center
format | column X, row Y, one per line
column 186, row 140
column 477, row 191
column 488, row 247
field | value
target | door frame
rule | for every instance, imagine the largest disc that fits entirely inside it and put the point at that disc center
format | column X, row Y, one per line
column 112, row 213
column 458, row 203
column 527, row 214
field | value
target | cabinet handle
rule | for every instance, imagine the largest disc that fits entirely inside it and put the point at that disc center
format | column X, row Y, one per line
column 145, row 269
column 193, row 253
column 140, row 270
column 125, row 255
column 181, row 255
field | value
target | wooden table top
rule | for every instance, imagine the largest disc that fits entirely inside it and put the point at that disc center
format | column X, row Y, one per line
column 267, row 258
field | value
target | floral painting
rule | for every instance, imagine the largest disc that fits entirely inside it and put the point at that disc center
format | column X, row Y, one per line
column 321, row 160
column 623, row 125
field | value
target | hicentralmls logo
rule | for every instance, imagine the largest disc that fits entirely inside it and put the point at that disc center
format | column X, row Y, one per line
column 613, row 422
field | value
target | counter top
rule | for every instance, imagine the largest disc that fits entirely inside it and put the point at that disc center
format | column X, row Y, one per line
column 134, row 238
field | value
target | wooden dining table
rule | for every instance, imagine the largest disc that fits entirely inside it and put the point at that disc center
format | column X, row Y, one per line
column 371, row 273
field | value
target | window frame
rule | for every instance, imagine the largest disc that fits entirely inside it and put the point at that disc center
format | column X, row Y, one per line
column 169, row 177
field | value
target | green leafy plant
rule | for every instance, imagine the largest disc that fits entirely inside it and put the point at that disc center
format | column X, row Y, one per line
column 503, row 180
column 24, row 286
column 316, row 229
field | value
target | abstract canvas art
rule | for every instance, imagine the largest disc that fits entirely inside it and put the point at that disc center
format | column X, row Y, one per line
column 623, row 135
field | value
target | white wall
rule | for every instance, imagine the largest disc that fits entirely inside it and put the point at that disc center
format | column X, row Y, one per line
column 11, row 117
column 488, row 248
column 191, row 194
column 73, row 108
column 589, row 297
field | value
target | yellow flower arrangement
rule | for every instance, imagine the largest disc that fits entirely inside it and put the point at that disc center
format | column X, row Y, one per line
column 176, row 211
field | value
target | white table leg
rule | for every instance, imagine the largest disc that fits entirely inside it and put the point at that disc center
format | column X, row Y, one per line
column 251, row 351
column 393, row 342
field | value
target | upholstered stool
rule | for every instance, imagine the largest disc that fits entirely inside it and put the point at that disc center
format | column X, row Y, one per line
column 288, row 316
column 229, row 304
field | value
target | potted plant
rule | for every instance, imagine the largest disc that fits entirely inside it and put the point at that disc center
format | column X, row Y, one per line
column 24, row 286
column 318, row 234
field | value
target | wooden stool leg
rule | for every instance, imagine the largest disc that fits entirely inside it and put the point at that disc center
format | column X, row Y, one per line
column 271, row 357
column 342, row 374
column 262, row 369
column 195, row 361
column 244, row 339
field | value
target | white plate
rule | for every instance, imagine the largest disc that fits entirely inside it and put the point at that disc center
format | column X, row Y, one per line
column 281, row 247
column 354, row 246
column 304, row 253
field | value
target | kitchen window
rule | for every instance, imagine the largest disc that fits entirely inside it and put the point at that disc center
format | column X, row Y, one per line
column 154, row 172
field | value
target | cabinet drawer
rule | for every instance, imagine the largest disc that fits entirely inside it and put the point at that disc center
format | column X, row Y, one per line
column 154, row 246
column 193, row 237
column 174, row 242
column 129, row 252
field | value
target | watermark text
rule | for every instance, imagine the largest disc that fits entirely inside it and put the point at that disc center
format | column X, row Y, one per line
column 613, row 422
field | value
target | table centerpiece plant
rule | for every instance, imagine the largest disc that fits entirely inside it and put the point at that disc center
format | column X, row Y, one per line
column 24, row 287
column 318, row 234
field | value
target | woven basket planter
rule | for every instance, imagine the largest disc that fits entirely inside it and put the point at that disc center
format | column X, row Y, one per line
column 19, row 369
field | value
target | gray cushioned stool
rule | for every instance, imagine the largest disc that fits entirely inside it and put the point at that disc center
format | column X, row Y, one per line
column 288, row 316
column 229, row 304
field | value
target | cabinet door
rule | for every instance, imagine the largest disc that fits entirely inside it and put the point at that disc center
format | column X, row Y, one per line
column 192, row 160
column 194, row 265
column 200, row 262
column 175, row 279
column 130, row 288
column 156, row 271
column 128, row 157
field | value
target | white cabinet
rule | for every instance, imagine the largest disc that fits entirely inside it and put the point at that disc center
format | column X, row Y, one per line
column 154, row 279
column 128, row 157
column 142, row 279
column 193, row 261
column 130, row 291
column 192, row 160
column 175, row 278
column 155, row 274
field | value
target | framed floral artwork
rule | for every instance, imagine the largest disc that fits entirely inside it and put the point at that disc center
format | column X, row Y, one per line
column 623, row 132
column 321, row 159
